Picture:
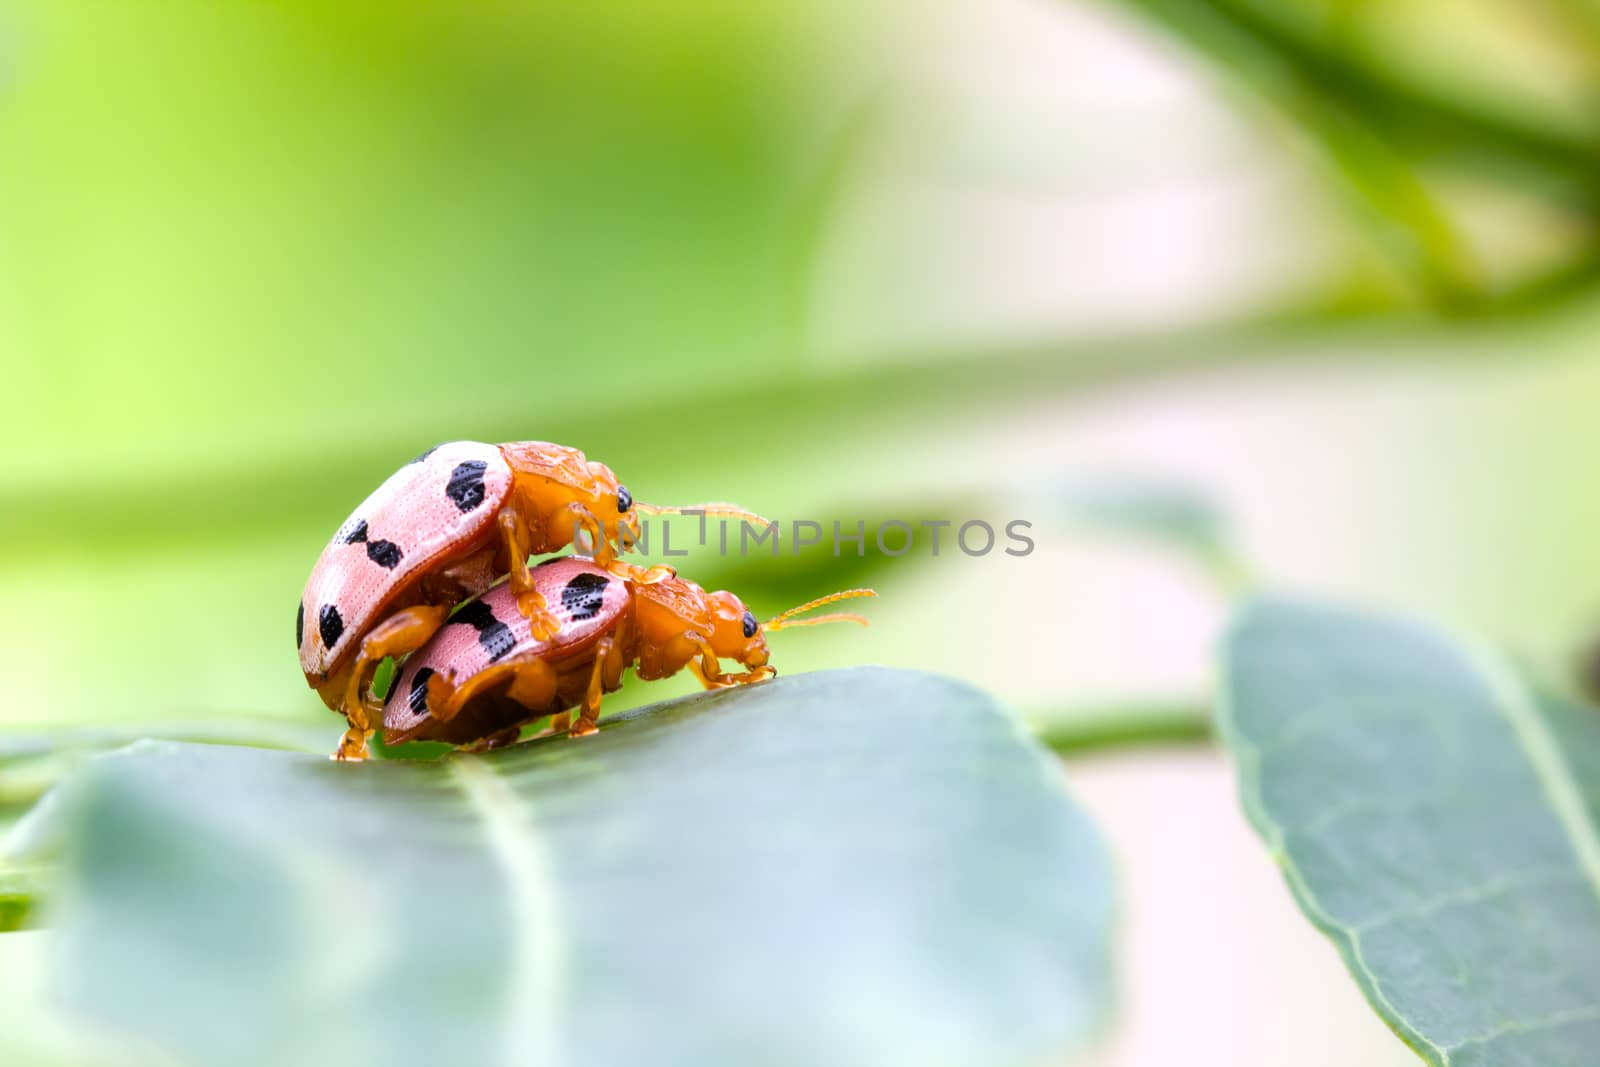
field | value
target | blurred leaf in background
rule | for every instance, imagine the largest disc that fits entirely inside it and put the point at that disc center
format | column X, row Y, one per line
column 1436, row 817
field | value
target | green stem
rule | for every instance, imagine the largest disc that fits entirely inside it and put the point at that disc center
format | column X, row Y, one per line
column 20, row 889
column 1258, row 51
column 1376, row 131
column 1136, row 726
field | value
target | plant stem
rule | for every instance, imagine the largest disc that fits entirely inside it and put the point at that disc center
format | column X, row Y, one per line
column 1135, row 726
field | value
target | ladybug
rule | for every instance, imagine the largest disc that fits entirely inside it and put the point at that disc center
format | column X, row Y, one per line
column 441, row 529
column 485, row 674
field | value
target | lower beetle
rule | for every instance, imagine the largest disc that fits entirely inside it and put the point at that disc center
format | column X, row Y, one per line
column 485, row 675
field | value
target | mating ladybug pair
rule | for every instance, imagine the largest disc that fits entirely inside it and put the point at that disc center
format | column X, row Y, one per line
column 444, row 529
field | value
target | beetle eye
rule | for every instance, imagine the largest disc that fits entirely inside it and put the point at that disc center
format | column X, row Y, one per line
column 750, row 625
column 624, row 499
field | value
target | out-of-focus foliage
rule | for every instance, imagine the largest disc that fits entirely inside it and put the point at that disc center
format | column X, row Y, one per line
column 738, row 877
column 254, row 256
column 1437, row 818
column 1467, row 133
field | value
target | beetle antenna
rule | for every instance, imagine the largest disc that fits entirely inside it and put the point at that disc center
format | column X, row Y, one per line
column 714, row 510
column 818, row 620
column 786, row 620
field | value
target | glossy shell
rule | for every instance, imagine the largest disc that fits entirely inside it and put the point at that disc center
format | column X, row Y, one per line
column 491, row 632
column 431, row 508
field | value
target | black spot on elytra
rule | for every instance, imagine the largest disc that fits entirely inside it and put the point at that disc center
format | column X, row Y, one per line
column 584, row 596
column 385, row 554
column 417, row 699
column 493, row 635
column 466, row 484
column 424, row 455
column 329, row 625
column 300, row 624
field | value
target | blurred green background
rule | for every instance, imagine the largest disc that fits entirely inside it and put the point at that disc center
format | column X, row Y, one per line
column 1327, row 267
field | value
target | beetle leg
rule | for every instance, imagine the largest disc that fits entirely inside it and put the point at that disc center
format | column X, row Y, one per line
column 403, row 632
column 533, row 684
column 353, row 745
column 600, row 549
column 541, row 623
column 641, row 575
column 508, row 736
column 709, row 670
column 440, row 698
column 558, row 725
column 604, row 652
column 705, row 666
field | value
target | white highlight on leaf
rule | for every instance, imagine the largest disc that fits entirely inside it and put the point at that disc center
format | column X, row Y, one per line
column 537, row 954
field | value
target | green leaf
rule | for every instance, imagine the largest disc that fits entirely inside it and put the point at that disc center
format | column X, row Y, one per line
column 32, row 763
column 1437, row 818
column 866, row 867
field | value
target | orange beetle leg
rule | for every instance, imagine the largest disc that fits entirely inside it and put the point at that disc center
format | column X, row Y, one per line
column 541, row 623
column 533, row 684
column 509, row 736
column 600, row 550
column 641, row 575
column 401, row 633
column 707, row 668
column 441, row 698
column 605, row 655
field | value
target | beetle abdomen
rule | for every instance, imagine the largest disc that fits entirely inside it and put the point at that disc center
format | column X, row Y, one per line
column 490, row 632
column 440, row 502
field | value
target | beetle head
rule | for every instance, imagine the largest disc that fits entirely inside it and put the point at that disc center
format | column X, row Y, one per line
column 613, row 506
column 735, row 633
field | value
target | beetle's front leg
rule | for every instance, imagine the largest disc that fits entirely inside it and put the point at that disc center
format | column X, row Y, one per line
column 708, row 668
column 705, row 666
column 600, row 549
column 541, row 623
column 401, row 633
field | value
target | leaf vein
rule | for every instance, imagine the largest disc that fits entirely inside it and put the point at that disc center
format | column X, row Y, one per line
column 1554, row 773
column 1554, row 1021
column 1472, row 894
column 534, row 986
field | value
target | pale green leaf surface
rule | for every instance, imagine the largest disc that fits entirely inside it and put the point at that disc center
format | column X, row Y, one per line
column 854, row 867
column 1437, row 819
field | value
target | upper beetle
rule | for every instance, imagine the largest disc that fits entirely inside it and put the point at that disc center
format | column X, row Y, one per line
column 441, row 529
